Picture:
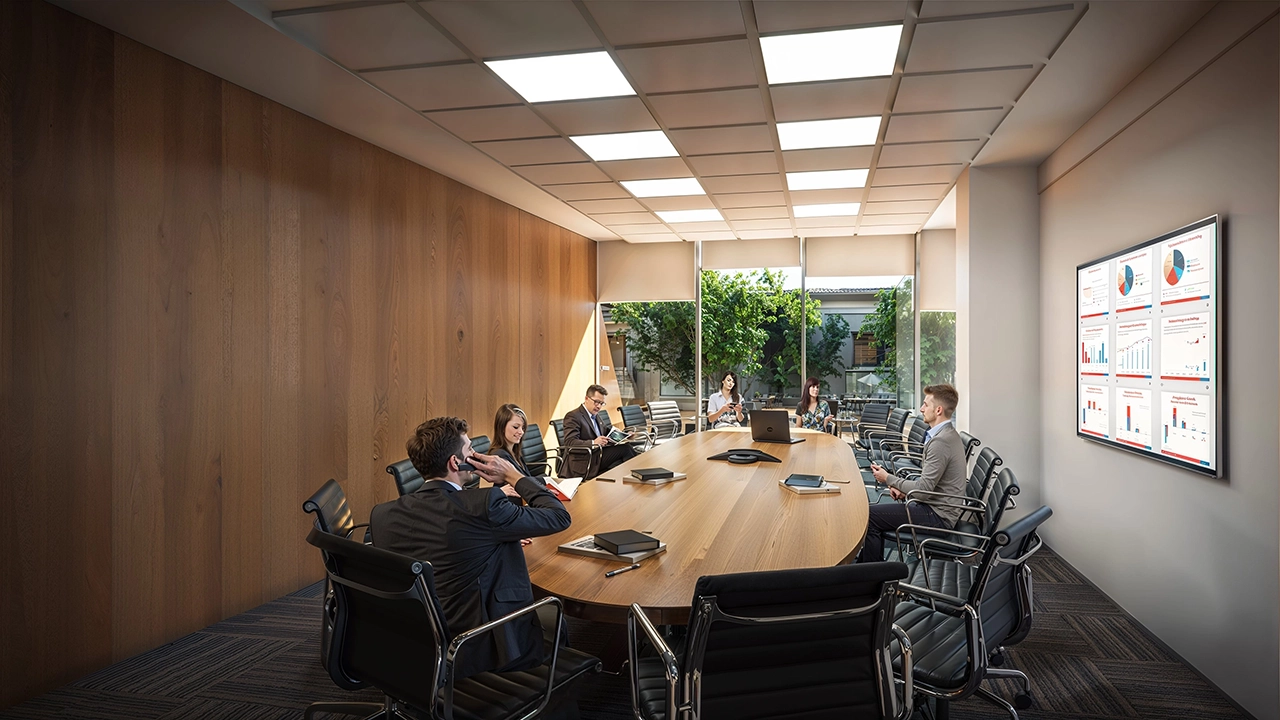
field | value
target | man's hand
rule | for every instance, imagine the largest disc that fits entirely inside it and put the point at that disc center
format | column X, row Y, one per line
column 881, row 475
column 495, row 470
column 897, row 494
column 600, row 441
column 526, row 542
column 508, row 490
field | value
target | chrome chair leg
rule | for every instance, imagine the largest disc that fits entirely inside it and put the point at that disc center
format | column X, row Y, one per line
column 1024, row 681
column 997, row 701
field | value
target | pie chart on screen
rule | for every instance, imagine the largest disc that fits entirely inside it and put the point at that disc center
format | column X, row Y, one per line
column 1125, row 280
column 1174, row 265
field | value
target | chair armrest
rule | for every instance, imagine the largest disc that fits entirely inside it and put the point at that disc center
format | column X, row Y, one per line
column 908, row 683
column 976, row 504
column 452, row 655
column 670, row 666
column 368, row 529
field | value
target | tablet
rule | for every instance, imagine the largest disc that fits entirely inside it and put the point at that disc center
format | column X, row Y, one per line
column 806, row 481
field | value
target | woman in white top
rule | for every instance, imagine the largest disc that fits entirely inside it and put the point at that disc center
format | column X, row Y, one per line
column 724, row 409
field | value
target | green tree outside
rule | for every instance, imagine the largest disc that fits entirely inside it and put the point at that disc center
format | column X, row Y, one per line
column 891, row 317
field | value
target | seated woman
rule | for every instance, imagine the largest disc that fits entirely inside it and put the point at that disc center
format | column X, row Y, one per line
column 724, row 409
column 813, row 412
column 508, row 429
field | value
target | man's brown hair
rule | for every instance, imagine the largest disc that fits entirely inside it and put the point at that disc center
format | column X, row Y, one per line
column 945, row 396
column 433, row 443
column 593, row 389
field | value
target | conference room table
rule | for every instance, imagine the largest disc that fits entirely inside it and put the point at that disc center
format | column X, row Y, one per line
column 723, row 518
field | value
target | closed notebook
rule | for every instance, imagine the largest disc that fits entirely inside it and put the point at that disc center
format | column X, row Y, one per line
column 652, row 473
column 622, row 542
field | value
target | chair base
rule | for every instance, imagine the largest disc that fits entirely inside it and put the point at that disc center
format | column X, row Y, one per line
column 366, row 710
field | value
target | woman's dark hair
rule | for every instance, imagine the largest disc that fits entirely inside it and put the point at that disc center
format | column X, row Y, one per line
column 736, row 397
column 804, row 396
column 500, row 420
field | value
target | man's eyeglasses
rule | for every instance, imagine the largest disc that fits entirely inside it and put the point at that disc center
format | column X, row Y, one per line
column 595, row 402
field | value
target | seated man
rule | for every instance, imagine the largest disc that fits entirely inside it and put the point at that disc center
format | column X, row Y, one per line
column 581, row 429
column 943, row 470
column 473, row 540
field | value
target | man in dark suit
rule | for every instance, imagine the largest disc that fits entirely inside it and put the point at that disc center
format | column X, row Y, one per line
column 473, row 540
column 943, row 470
column 581, row 429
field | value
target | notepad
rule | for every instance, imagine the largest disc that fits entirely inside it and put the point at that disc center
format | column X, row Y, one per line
column 564, row 488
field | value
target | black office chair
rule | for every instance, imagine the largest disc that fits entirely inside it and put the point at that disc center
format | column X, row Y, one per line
column 392, row 635
column 634, row 421
column 970, row 442
column 535, row 455
column 902, row 453
column 987, row 606
column 481, row 444
column 589, row 452
column 893, row 430
column 605, row 422
column 793, row 643
column 978, row 522
column 333, row 516
column 408, row 480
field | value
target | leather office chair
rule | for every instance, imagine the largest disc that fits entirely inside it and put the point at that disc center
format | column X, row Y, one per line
column 906, row 452
column 987, row 606
column 406, row 476
column 665, row 420
column 634, row 421
column 391, row 634
column 970, row 442
column 534, row 452
column 605, row 422
column 589, row 452
column 794, row 643
column 481, row 444
column 893, row 430
column 974, row 528
column 333, row 516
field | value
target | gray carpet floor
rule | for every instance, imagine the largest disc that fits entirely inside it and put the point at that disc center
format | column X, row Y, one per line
column 1087, row 660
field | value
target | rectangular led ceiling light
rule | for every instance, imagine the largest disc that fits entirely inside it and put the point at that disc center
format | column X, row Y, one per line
column 688, row 216
column 842, row 132
column 626, row 146
column 827, row 210
column 670, row 187
column 563, row 77
column 834, row 55
column 826, row 179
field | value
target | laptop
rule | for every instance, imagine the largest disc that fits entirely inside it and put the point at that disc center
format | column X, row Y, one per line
column 772, row 426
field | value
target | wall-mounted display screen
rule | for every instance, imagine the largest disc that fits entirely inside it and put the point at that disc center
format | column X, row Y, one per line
column 1148, row 365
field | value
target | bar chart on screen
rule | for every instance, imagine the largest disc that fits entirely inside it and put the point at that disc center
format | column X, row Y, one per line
column 1133, row 417
column 1133, row 349
column 1185, row 431
column 1094, row 359
column 1095, row 410
column 1186, row 352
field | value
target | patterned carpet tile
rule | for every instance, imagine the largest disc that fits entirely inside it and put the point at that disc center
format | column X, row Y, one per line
column 1167, row 690
column 1072, row 599
column 290, row 679
column 1055, row 633
column 69, row 702
column 225, row 710
column 1119, row 637
column 1066, row 684
column 293, row 617
column 1049, row 568
column 184, row 667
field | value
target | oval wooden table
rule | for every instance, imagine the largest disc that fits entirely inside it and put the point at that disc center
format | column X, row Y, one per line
column 723, row 519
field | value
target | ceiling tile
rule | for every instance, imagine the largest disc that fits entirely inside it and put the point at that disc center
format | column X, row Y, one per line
column 817, row 197
column 701, row 66
column 500, row 28
column 987, row 42
column 735, row 164
column 917, row 175
column 826, row 159
column 929, row 153
column 940, row 8
column 910, row 206
column 888, row 229
column 902, row 219
column 757, row 213
column 646, row 168
column 839, row 231
column 775, row 16
column 605, row 115
column 588, row 191
column 700, row 227
column 502, row 123
column 826, row 100
column 687, row 202
column 628, row 218
column 373, row 37
column 713, row 107
column 957, row 125
column 281, row 5
column 745, row 200
column 908, row 192
column 764, row 234
column 579, row 172
column 608, row 206
column 647, row 229
column 742, row 183
column 847, row 221
column 532, row 152
column 446, row 86
column 705, row 236
column 781, row 223
column 632, row 23
column 954, row 91
column 706, row 141
column 658, row 237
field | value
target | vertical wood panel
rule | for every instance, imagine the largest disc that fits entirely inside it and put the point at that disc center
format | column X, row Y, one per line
column 209, row 305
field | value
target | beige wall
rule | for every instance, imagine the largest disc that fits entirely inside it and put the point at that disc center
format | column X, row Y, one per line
column 1194, row 559
column 937, row 270
column 652, row 271
column 870, row 255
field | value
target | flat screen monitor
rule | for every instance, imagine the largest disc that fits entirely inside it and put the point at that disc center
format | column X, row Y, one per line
column 1149, row 351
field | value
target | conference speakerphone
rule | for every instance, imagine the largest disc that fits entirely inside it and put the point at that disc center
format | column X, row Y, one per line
column 745, row 456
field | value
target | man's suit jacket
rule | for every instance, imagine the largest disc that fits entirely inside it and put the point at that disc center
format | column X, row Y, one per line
column 579, row 431
column 944, row 470
column 472, row 540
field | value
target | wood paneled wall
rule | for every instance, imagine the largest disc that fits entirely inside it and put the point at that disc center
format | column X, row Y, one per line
column 209, row 305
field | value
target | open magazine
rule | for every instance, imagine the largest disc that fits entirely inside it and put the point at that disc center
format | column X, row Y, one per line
column 564, row 488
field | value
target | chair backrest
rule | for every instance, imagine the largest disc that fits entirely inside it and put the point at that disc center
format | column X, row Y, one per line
column 533, row 451
column 633, row 416
column 481, row 444
column 407, row 477
column 970, row 442
column 1004, row 488
column 390, row 631
column 1004, row 601
column 919, row 428
column 874, row 414
column 558, row 426
column 897, row 421
column 664, row 416
column 984, row 470
column 605, row 422
column 792, row 642
column 329, row 504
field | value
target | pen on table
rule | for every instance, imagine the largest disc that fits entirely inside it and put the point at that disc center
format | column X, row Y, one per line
column 611, row 573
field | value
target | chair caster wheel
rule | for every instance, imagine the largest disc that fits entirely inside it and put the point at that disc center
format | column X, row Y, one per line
column 996, row 660
column 1022, row 701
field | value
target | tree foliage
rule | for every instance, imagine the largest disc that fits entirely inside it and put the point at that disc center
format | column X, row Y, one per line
column 892, row 319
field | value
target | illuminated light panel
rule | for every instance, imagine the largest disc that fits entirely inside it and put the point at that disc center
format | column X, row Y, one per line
column 834, row 55
column 688, row 216
column 842, row 132
column 670, row 187
column 826, row 179
column 827, row 210
column 626, row 146
column 563, row 77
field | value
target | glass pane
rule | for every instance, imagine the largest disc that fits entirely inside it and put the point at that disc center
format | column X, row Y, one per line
column 652, row 346
column 883, row 343
column 937, row 348
column 906, row 330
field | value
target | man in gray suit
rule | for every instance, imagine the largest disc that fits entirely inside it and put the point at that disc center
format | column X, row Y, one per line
column 943, row 470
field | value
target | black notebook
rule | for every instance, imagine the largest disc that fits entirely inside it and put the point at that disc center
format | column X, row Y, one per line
column 799, row 480
column 652, row 473
column 623, row 542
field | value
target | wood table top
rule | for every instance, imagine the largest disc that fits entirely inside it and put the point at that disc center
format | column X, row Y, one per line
column 723, row 519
